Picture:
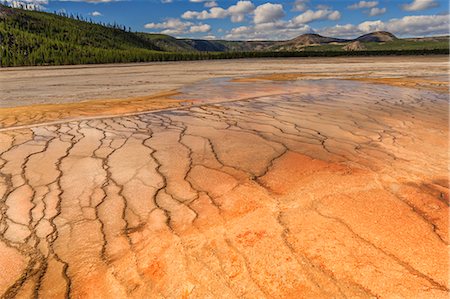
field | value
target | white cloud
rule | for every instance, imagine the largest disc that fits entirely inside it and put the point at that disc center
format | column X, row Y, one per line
column 420, row 5
column 168, row 24
column 166, row 1
column 343, row 31
column 200, row 28
column 207, row 3
column 363, row 4
column 27, row 4
column 211, row 4
column 268, row 23
column 236, row 12
column 178, row 27
column 240, row 9
column 375, row 11
column 268, row 12
column 300, row 5
column 96, row 14
column 420, row 25
column 370, row 26
column 281, row 30
column 321, row 14
column 334, row 15
column 213, row 13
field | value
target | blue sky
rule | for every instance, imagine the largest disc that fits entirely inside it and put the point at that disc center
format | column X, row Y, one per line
column 261, row 19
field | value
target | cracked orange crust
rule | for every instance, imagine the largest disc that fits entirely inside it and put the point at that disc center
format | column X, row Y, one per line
column 328, row 194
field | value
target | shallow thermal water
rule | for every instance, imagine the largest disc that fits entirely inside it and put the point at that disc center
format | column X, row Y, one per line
column 313, row 189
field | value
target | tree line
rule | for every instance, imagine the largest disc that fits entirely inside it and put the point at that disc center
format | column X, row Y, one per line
column 85, row 55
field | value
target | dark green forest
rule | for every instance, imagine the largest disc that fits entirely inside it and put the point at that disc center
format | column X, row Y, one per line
column 39, row 38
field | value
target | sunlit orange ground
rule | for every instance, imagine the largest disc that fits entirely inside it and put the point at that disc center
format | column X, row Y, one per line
column 318, row 188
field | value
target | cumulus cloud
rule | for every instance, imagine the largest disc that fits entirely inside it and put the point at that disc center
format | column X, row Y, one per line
column 370, row 26
column 321, row 14
column 280, row 30
column 236, row 12
column 268, row 12
column 376, row 11
column 27, row 4
column 300, row 5
column 169, row 23
column 95, row 14
column 407, row 26
column 211, row 4
column 175, row 26
column 268, row 23
column 334, row 15
column 200, row 28
column 207, row 3
column 420, row 5
column 420, row 25
column 343, row 31
column 373, row 11
column 213, row 13
column 363, row 4
column 240, row 9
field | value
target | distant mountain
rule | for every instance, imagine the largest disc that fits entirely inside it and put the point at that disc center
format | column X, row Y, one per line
column 378, row 36
column 40, row 38
column 300, row 42
column 314, row 39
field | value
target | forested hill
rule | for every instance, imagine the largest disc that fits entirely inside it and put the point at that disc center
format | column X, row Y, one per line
column 30, row 37
column 40, row 38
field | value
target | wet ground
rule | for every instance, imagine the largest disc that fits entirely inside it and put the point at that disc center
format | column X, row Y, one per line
column 319, row 188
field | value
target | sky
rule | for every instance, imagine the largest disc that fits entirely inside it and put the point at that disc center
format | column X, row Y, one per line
column 260, row 19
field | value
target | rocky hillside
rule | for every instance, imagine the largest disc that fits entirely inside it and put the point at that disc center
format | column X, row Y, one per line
column 378, row 36
column 354, row 46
